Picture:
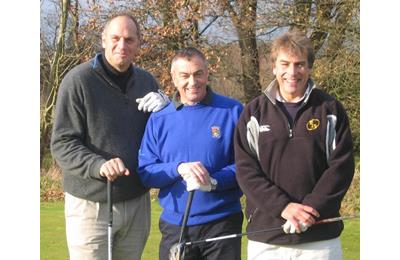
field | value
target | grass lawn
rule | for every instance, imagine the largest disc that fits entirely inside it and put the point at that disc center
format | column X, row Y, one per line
column 53, row 244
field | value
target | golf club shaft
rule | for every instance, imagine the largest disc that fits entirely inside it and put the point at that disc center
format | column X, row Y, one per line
column 330, row 220
column 231, row 236
column 110, row 217
column 323, row 221
column 186, row 215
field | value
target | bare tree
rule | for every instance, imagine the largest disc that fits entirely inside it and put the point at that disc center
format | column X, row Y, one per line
column 237, row 62
column 243, row 15
column 54, row 81
column 73, row 44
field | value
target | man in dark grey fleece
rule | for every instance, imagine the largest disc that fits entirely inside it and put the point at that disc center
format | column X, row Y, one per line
column 294, row 159
column 96, row 137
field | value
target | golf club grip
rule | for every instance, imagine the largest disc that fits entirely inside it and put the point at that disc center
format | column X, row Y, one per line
column 330, row 220
column 186, row 215
column 110, row 202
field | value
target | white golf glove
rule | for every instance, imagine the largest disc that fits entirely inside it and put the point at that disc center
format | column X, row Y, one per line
column 193, row 184
column 289, row 228
column 152, row 102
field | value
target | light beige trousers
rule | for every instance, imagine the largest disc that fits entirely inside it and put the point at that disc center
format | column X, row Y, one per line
column 87, row 227
column 321, row 250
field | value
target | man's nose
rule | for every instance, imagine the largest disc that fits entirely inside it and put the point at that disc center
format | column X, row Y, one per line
column 192, row 81
column 122, row 43
column 292, row 69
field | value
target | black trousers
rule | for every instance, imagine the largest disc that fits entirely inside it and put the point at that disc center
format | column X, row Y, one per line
column 229, row 249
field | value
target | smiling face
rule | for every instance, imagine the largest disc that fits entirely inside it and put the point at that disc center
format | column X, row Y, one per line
column 292, row 73
column 121, row 42
column 190, row 76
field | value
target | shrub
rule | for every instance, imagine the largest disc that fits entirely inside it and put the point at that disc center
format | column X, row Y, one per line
column 351, row 201
column 50, row 184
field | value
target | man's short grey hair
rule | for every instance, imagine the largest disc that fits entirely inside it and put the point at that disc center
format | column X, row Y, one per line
column 109, row 20
column 188, row 53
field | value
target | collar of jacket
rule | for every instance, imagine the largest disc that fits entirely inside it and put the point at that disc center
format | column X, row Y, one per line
column 96, row 64
column 272, row 90
column 206, row 100
column 98, row 67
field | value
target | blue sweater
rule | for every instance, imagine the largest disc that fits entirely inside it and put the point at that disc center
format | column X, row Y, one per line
column 192, row 133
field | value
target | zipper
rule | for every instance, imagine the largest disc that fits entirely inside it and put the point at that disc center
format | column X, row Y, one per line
column 251, row 215
column 290, row 130
column 126, row 98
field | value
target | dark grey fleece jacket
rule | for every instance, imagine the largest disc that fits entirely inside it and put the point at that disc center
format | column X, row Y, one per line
column 310, row 162
column 95, row 122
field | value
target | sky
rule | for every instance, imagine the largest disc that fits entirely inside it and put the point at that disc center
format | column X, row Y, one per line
column 48, row 11
column 19, row 108
column 220, row 30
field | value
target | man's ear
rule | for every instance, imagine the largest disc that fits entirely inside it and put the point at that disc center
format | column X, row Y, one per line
column 274, row 71
column 173, row 77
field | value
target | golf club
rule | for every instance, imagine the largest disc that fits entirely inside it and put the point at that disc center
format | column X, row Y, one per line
column 110, row 217
column 179, row 246
column 176, row 252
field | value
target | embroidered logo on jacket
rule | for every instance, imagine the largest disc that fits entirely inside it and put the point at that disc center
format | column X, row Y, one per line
column 265, row 128
column 312, row 124
column 215, row 132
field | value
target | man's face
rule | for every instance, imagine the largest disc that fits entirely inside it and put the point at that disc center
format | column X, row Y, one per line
column 292, row 74
column 121, row 43
column 190, row 76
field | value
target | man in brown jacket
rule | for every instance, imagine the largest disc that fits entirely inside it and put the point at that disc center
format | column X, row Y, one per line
column 294, row 159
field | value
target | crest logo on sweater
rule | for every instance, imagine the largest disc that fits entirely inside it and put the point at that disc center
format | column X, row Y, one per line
column 312, row 124
column 215, row 131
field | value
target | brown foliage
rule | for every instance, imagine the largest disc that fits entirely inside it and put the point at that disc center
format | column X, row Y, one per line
column 238, row 66
column 50, row 184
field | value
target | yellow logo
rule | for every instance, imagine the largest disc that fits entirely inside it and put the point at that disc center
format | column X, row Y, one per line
column 312, row 124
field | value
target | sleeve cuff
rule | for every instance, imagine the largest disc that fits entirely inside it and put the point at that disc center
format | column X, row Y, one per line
column 95, row 169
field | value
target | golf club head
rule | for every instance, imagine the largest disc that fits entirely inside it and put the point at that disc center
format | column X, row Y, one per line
column 175, row 252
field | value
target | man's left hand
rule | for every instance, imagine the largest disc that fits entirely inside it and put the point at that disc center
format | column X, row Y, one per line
column 152, row 102
column 290, row 228
column 297, row 213
column 193, row 184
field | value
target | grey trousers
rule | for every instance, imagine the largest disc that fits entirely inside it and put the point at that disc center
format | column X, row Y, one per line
column 87, row 223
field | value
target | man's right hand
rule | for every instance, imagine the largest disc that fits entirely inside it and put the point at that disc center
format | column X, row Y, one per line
column 113, row 168
column 195, row 170
column 296, row 213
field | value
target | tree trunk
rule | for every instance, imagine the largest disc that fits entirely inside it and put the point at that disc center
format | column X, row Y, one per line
column 250, row 65
column 244, row 21
column 54, row 82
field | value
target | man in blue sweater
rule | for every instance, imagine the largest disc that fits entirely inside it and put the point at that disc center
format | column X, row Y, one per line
column 189, row 146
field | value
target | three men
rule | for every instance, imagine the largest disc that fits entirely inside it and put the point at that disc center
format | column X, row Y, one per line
column 293, row 153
